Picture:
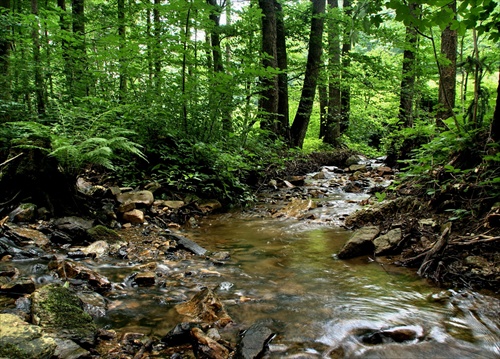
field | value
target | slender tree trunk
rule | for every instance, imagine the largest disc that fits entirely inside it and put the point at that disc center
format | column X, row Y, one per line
column 283, row 129
column 269, row 97
column 63, row 23
column 219, row 96
column 332, row 126
column 345, row 96
column 406, row 96
column 301, row 121
column 122, row 61
column 157, row 53
column 79, row 52
column 448, row 73
column 35, row 36
column 149, row 38
column 495, row 123
column 408, row 75
column 323, row 109
column 184, row 69
column 5, row 47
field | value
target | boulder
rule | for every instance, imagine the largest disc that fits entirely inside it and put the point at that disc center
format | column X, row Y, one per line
column 145, row 279
column 134, row 216
column 97, row 249
column 139, row 198
column 19, row 339
column 360, row 243
column 358, row 168
column 385, row 243
column 205, row 307
column 180, row 335
column 59, row 311
column 353, row 160
column 170, row 204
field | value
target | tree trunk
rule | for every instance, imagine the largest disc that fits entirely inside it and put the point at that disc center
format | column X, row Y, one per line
column 5, row 47
column 408, row 75
column 157, row 52
column 332, row 125
column 219, row 96
column 448, row 73
column 78, row 53
column 495, row 123
column 283, row 107
column 301, row 121
column 39, row 85
column 345, row 96
column 122, row 41
column 269, row 97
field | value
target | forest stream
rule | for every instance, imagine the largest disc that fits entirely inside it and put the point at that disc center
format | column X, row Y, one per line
column 285, row 270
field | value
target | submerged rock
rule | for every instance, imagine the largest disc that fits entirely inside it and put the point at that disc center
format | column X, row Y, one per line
column 19, row 339
column 205, row 307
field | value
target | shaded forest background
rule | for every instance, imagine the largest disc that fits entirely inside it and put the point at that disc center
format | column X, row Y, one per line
column 205, row 96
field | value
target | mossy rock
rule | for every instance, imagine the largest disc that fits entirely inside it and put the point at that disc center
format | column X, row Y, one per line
column 103, row 233
column 59, row 311
column 22, row 340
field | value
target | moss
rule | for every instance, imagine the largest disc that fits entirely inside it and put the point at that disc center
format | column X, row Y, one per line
column 102, row 233
column 58, row 309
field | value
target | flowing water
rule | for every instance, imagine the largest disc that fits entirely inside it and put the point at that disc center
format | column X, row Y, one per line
column 285, row 269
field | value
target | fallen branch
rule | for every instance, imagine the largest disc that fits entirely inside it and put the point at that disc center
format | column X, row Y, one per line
column 11, row 159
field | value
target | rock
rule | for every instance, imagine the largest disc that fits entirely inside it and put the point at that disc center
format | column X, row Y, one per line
column 387, row 242
column 356, row 168
column 97, row 249
column 103, row 233
column 93, row 303
column 8, row 247
column 68, row 349
column 145, row 279
column 139, row 198
column 297, row 208
column 126, row 207
column 68, row 269
column 207, row 348
column 360, row 243
column 211, row 205
column 185, row 243
column 134, row 216
column 353, row 160
column 254, row 342
column 60, row 312
column 384, row 170
column 24, row 213
column 31, row 236
column 19, row 339
column 18, row 287
column 75, row 227
column 220, row 257
column 205, row 307
column 180, row 335
column 170, row 204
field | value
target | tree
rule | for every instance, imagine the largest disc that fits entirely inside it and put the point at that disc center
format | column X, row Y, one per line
column 345, row 96
column 5, row 46
column 495, row 123
column 303, row 115
column 331, row 125
column 448, row 70
column 79, row 51
column 35, row 36
column 283, row 130
column 122, row 35
column 269, row 97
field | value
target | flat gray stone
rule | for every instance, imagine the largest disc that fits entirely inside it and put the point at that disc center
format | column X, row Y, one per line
column 385, row 243
column 360, row 243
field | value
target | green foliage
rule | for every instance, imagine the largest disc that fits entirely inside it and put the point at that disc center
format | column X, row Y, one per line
column 78, row 142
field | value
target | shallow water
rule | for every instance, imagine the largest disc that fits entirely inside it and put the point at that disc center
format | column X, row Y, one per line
column 286, row 270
